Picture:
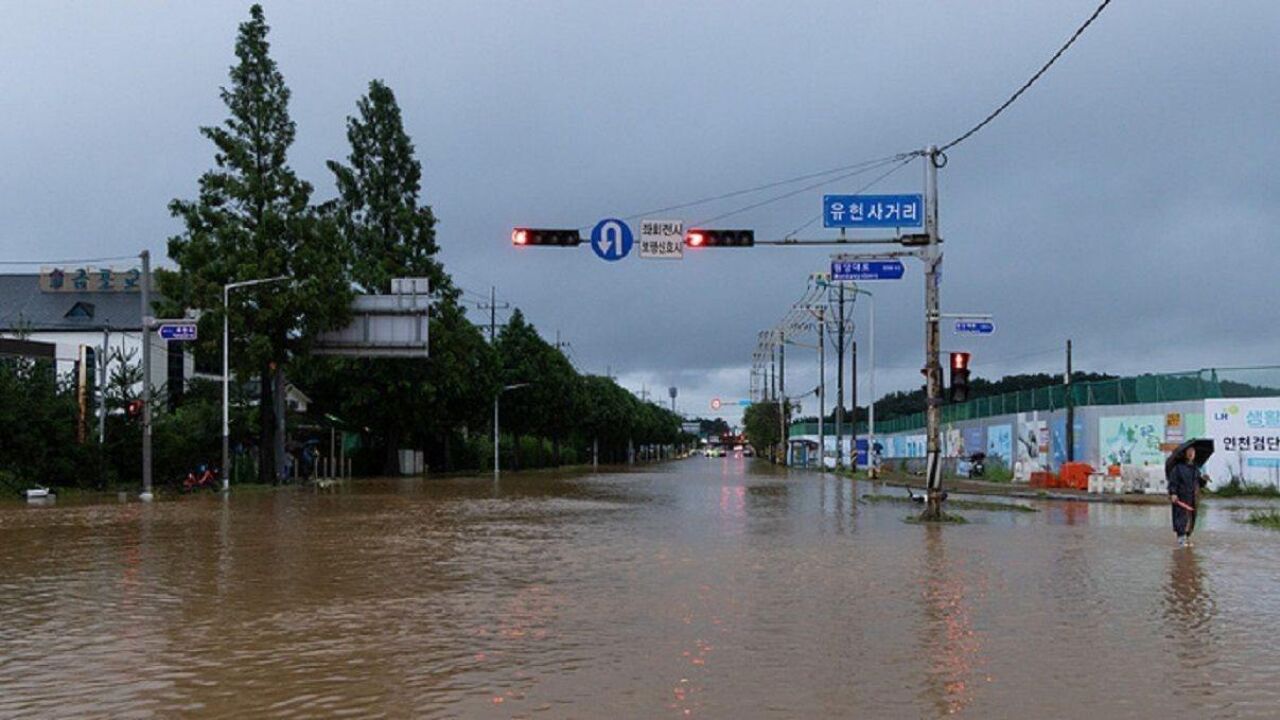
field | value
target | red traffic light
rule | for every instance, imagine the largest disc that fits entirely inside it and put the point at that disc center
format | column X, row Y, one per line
column 720, row 238
column 959, row 361
column 134, row 409
column 554, row 238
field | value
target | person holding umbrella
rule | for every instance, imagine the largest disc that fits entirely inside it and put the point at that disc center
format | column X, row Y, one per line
column 1182, row 471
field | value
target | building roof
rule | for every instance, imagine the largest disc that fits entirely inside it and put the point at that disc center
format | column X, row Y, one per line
column 23, row 305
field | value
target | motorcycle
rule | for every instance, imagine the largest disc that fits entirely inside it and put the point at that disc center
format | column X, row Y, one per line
column 203, row 477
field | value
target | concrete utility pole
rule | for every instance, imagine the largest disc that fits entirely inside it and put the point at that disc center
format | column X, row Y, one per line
column 933, row 368
column 1071, row 410
column 840, row 377
column 822, row 388
column 782, row 393
column 493, row 307
column 102, row 385
column 146, row 495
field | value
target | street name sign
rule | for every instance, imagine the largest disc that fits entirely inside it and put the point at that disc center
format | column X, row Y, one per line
column 866, row 270
column 872, row 211
column 662, row 239
column 611, row 239
column 975, row 327
column 177, row 331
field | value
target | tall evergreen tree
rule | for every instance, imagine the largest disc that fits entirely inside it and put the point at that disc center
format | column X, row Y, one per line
column 252, row 219
column 392, row 235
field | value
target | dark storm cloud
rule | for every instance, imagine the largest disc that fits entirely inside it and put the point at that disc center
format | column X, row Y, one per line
column 1126, row 200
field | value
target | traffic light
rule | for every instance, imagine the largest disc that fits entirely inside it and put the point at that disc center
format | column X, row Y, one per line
column 134, row 409
column 699, row 238
column 959, row 376
column 554, row 238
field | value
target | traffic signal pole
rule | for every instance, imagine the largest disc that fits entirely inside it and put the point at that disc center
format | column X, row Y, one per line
column 145, row 283
column 932, row 256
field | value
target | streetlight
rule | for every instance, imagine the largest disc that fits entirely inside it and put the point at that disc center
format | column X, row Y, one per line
column 497, row 397
column 226, row 371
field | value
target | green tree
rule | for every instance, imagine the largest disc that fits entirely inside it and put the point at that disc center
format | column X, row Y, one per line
column 392, row 235
column 252, row 219
column 762, row 425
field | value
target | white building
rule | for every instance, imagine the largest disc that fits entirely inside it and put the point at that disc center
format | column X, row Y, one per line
column 91, row 307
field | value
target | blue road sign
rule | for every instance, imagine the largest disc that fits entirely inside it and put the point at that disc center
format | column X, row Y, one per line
column 611, row 239
column 744, row 403
column 867, row 270
column 872, row 211
column 975, row 327
column 178, row 331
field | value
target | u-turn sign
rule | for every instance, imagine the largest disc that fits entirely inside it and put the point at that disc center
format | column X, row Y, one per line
column 611, row 239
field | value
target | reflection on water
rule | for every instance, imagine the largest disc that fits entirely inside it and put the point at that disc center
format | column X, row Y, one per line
column 715, row 588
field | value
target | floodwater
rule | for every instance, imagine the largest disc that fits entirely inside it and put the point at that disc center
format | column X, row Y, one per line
column 716, row 588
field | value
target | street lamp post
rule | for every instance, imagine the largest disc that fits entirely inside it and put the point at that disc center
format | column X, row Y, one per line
column 226, row 371
column 871, row 387
column 496, row 398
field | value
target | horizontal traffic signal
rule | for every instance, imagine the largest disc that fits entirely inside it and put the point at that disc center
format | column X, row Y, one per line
column 542, row 236
column 699, row 238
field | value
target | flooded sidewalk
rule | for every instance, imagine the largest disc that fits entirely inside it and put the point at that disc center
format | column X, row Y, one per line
column 718, row 588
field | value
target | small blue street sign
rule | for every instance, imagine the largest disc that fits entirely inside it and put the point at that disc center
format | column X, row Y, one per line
column 744, row 403
column 611, row 239
column 975, row 327
column 872, row 211
column 178, row 331
column 867, row 270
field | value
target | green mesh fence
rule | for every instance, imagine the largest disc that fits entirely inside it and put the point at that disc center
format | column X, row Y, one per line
column 1152, row 388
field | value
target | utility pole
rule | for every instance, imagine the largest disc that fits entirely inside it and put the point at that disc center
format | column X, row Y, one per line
column 853, row 405
column 1071, row 409
column 782, row 393
column 933, row 369
column 822, row 388
column 146, row 495
column 840, row 378
column 493, row 307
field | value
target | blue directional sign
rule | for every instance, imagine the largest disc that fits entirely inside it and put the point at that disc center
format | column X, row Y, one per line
column 867, row 270
column 177, row 331
column 975, row 327
column 872, row 211
column 611, row 239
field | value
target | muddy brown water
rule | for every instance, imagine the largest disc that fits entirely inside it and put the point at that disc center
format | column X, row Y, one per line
column 717, row 588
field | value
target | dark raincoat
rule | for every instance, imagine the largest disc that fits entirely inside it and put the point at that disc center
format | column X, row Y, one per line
column 1184, row 482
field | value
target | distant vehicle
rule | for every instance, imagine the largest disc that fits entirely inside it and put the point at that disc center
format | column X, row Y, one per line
column 748, row 452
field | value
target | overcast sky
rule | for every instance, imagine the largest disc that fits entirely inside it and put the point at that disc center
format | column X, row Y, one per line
column 1127, row 201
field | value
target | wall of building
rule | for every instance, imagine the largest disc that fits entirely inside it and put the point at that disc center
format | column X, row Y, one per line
column 128, row 342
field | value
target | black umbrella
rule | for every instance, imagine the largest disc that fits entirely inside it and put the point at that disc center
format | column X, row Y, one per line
column 1203, row 447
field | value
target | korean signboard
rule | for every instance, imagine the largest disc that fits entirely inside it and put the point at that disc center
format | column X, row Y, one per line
column 662, row 239
column 1246, row 440
column 90, row 279
column 872, row 211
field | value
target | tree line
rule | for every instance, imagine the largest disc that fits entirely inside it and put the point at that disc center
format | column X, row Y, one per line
column 253, row 218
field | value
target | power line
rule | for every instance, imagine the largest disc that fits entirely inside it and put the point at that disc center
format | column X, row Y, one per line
column 1027, row 85
column 757, row 188
column 864, row 188
column 68, row 262
column 806, row 188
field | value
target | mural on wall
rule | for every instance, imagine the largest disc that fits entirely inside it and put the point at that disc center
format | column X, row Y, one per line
column 1032, row 444
column 1058, row 437
column 1246, row 440
column 1131, row 439
column 916, row 446
column 953, row 444
column 975, row 439
column 1000, row 443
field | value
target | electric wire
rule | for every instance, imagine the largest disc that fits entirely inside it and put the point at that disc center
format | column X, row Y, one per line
column 757, row 188
column 793, row 193
column 864, row 188
column 68, row 262
column 1027, row 85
